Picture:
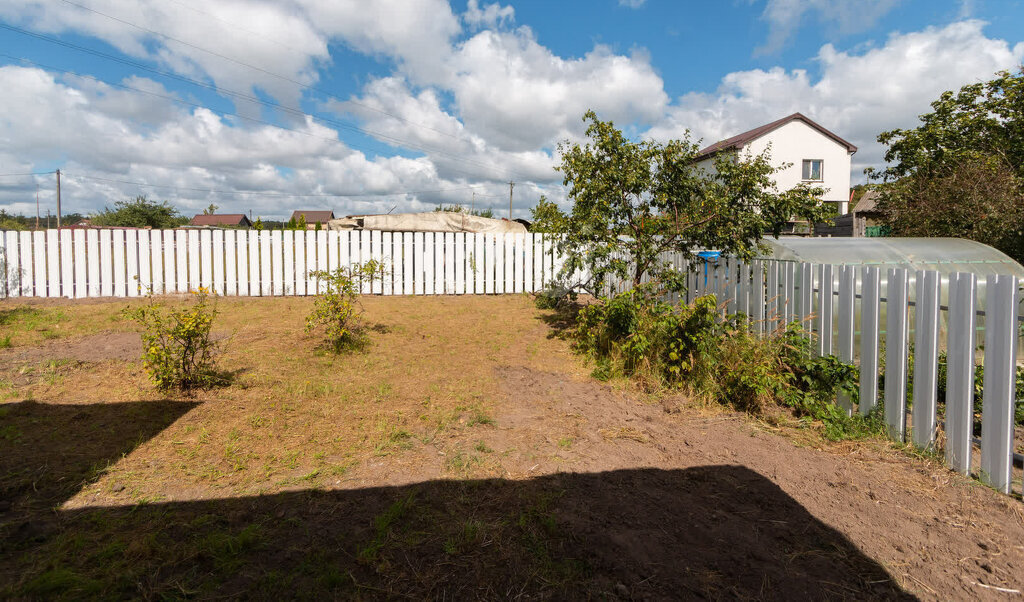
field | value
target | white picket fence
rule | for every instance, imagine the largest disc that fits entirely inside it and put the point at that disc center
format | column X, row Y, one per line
column 78, row 263
column 849, row 309
column 852, row 309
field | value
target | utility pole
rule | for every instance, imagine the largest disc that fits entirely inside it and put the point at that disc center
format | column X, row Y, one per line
column 58, row 199
column 511, row 185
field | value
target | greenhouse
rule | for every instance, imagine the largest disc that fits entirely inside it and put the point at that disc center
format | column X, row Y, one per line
column 945, row 255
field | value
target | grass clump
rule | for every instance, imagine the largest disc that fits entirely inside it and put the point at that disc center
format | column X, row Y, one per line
column 337, row 310
column 636, row 335
column 177, row 349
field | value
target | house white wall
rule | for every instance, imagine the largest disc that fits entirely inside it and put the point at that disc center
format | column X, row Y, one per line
column 796, row 141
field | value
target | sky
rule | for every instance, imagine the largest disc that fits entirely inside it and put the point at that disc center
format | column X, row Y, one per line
column 367, row 106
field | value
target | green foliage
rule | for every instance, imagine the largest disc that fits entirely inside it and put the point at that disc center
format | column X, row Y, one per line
column 140, row 213
column 292, row 224
column 547, row 217
column 460, row 209
column 337, row 310
column 961, row 172
column 555, row 295
column 22, row 222
column 636, row 335
column 633, row 201
column 301, row 224
column 177, row 350
column 211, row 210
column 258, row 224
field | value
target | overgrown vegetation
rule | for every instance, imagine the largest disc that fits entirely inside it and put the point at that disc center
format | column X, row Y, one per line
column 960, row 173
column 140, row 213
column 336, row 308
column 635, row 334
column 635, row 201
column 177, row 349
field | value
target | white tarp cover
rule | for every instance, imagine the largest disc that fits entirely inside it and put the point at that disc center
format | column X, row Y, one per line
column 434, row 221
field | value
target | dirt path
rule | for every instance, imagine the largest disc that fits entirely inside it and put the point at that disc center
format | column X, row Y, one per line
column 937, row 534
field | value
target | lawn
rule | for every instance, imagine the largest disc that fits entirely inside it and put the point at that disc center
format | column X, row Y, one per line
column 465, row 453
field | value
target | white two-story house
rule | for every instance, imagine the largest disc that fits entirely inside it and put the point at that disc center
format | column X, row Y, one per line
column 813, row 154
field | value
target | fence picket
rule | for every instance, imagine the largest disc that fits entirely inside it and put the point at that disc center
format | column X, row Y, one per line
column 845, row 324
column 12, row 253
column 420, row 262
column 869, row 312
column 926, row 357
column 52, row 264
column 449, row 263
column 218, row 284
column 240, row 260
column 408, row 258
column 997, row 403
column 788, row 292
column 387, row 255
column 119, row 267
column 896, row 353
column 826, row 298
column 960, row 371
column 229, row 274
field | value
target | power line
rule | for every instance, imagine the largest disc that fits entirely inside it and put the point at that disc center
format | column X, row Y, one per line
column 34, row 173
column 254, row 67
column 244, row 96
column 265, row 194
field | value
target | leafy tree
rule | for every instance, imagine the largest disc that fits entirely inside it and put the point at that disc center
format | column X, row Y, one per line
column 258, row 224
column 140, row 213
column 547, row 217
column 211, row 210
column 961, row 172
column 633, row 201
column 982, row 121
column 301, row 224
column 291, row 225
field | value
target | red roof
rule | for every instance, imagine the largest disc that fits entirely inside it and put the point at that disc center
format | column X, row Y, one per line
column 741, row 139
column 221, row 219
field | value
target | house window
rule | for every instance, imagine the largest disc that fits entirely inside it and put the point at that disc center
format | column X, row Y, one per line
column 812, row 169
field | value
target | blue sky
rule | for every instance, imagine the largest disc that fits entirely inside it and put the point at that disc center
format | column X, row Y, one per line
column 365, row 106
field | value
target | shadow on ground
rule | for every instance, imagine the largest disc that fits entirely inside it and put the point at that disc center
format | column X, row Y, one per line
column 712, row 531
column 49, row 451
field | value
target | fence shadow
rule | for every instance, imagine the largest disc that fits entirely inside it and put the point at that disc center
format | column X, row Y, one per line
column 49, row 451
column 710, row 531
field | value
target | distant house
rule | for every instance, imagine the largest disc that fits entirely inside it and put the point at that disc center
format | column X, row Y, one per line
column 313, row 218
column 231, row 220
column 814, row 154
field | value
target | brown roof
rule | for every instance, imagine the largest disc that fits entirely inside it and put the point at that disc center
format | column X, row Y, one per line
column 742, row 139
column 868, row 203
column 221, row 219
column 313, row 217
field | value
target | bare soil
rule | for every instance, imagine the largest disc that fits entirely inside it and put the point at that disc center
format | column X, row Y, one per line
column 466, row 454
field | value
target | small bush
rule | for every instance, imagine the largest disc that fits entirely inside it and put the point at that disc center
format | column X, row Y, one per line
column 637, row 335
column 554, row 295
column 337, row 310
column 178, row 352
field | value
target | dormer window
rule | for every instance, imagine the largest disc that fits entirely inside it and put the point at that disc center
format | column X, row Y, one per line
column 812, row 170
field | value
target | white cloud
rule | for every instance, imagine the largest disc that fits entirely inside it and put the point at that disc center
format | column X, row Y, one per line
column 857, row 96
column 632, row 3
column 842, row 17
column 491, row 15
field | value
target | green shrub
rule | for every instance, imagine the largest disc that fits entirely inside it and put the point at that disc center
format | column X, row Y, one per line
column 337, row 310
column 637, row 335
column 177, row 350
column 554, row 295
